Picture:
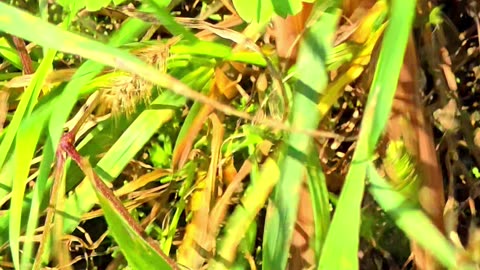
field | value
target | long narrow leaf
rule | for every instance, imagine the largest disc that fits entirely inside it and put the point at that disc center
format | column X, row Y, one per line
column 411, row 219
column 244, row 214
column 22, row 166
column 26, row 142
column 312, row 80
column 317, row 186
column 345, row 226
column 14, row 21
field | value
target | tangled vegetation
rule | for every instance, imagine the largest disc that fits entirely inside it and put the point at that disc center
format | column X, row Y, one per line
column 239, row 134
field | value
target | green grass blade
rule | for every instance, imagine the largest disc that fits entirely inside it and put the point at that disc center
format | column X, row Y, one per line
column 194, row 109
column 246, row 246
column 411, row 219
column 14, row 21
column 39, row 118
column 341, row 245
column 217, row 50
column 25, row 145
column 169, row 22
column 139, row 253
column 244, row 214
column 184, row 191
column 41, row 188
column 8, row 53
column 345, row 225
column 25, row 107
column 6, row 178
column 312, row 79
column 32, row 221
column 318, row 190
column 27, row 140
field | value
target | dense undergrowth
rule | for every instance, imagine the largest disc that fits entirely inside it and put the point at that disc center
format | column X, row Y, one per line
column 219, row 135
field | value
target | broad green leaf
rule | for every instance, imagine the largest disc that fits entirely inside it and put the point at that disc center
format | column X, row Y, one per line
column 258, row 11
column 312, row 80
column 118, row 2
column 72, row 6
column 345, row 226
column 96, row 5
column 285, row 8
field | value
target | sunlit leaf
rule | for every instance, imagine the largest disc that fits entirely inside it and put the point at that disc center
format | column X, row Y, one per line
column 312, row 80
column 345, row 226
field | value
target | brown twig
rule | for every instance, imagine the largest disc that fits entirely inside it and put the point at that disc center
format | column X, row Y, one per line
column 23, row 54
column 27, row 69
column 67, row 146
